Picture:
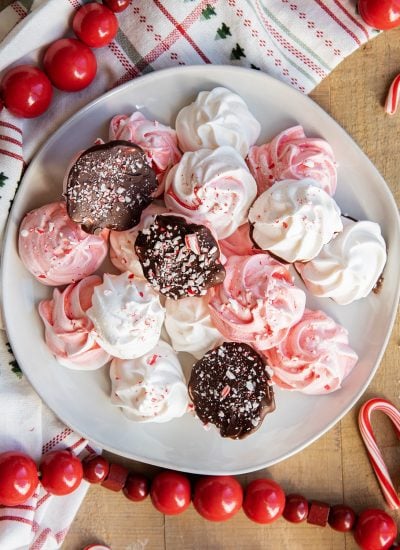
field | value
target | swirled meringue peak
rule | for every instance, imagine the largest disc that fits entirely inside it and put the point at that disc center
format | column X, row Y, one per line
column 211, row 187
column 315, row 356
column 294, row 219
column 150, row 388
column 55, row 249
column 158, row 141
column 122, row 243
column 292, row 155
column 349, row 266
column 257, row 303
column 216, row 118
column 69, row 332
column 188, row 323
column 127, row 315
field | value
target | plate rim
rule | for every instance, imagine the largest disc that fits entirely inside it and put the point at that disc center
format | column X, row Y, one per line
column 163, row 73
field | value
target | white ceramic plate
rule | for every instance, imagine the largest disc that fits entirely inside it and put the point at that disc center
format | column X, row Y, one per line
column 81, row 399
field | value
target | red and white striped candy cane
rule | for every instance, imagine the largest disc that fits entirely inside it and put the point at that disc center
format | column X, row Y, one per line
column 393, row 97
column 374, row 454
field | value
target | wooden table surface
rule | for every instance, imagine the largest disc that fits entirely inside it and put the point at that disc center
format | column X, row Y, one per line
column 333, row 469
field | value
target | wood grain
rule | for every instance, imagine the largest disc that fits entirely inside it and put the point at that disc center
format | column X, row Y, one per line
column 335, row 468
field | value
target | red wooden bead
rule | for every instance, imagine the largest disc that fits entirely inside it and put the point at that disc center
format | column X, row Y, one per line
column 117, row 5
column 136, row 487
column 375, row 530
column 296, row 508
column 116, row 477
column 318, row 514
column 342, row 518
column 170, row 492
column 95, row 469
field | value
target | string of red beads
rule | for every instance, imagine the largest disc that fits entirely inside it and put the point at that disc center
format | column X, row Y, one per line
column 215, row 498
column 69, row 63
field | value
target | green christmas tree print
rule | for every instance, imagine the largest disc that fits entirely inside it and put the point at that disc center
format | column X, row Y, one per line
column 237, row 52
column 223, row 31
column 3, row 179
column 208, row 12
column 13, row 364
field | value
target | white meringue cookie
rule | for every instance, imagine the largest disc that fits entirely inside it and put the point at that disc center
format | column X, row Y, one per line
column 150, row 388
column 127, row 315
column 348, row 267
column 188, row 323
column 216, row 118
column 211, row 187
column 122, row 243
column 293, row 219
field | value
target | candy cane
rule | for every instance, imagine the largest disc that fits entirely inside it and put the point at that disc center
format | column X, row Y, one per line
column 392, row 99
column 374, row 454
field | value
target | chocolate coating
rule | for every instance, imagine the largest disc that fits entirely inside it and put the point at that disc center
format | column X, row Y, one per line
column 179, row 258
column 109, row 186
column 230, row 388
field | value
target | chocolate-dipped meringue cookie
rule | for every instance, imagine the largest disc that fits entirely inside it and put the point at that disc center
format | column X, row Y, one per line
column 109, row 186
column 179, row 258
column 230, row 388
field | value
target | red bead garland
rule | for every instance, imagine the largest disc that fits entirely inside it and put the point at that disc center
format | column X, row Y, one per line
column 61, row 472
column 342, row 518
column 216, row 498
column 95, row 469
column 137, row 487
column 95, row 24
column 26, row 91
column 69, row 63
column 18, row 478
column 296, row 508
column 170, row 493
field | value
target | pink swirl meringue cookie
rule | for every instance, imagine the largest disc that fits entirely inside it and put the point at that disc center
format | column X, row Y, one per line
column 314, row 358
column 257, row 303
column 212, row 187
column 239, row 243
column 68, row 331
column 122, row 243
column 292, row 155
column 55, row 249
column 158, row 141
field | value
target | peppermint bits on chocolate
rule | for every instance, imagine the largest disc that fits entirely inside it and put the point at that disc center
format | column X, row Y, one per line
column 109, row 186
column 178, row 258
column 230, row 388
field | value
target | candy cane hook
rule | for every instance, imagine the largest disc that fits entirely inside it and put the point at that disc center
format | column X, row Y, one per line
column 374, row 454
column 392, row 99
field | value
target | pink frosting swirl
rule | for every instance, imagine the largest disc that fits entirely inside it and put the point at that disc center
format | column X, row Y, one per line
column 158, row 141
column 55, row 249
column 315, row 356
column 69, row 332
column 292, row 155
column 257, row 303
column 239, row 243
